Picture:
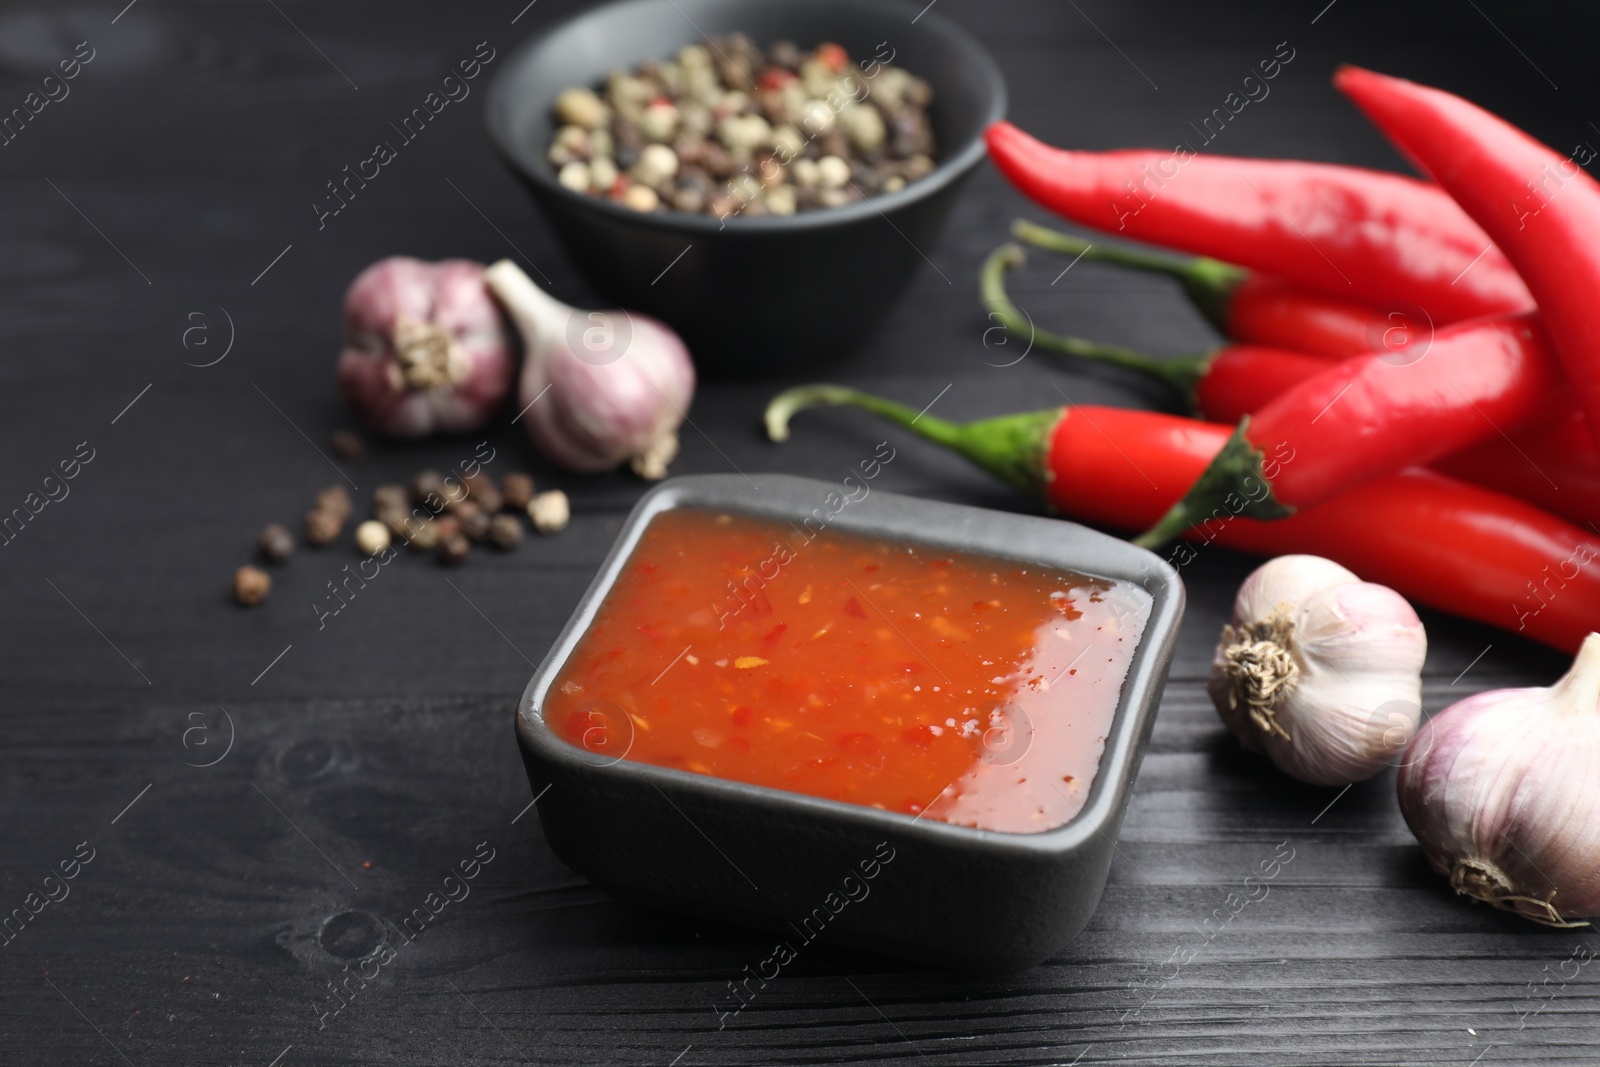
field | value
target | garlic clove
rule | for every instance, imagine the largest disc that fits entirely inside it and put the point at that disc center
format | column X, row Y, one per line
column 599, row 388
column 1320, row 671
column 1502, row 790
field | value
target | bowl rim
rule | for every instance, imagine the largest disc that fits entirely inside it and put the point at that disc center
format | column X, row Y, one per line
column 948, row 170
column 904, row 518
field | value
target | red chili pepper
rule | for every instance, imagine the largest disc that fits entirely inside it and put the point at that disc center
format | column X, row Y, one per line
column 1366, row 417
column 1452, row 546
column 1357, row 234
column 1555, row 465
column 1539, row 206
column 1255, row 308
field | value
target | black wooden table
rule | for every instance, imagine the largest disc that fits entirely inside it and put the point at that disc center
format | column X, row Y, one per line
column 262, row 796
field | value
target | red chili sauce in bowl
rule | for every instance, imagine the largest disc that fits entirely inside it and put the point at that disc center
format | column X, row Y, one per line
column 973, row 690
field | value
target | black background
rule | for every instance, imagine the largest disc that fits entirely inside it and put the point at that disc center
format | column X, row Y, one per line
column 185, row 159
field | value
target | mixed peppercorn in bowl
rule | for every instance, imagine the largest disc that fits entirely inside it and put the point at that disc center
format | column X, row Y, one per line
column 686, row 220
column 726, row 128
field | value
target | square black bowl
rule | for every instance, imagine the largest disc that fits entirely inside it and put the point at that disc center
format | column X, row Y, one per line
column 947, row 895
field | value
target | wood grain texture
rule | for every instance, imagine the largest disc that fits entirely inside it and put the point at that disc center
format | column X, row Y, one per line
column 377, row 753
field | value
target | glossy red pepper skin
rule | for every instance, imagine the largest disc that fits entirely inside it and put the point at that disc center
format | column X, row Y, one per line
column 1269, row 311
column 1554, row 465
column 1369, row 416
column 1247, row 306
column 1469, row 551
column 1540, row 207
column 1356, row 234
column 1457, row 547
column 1374, row 415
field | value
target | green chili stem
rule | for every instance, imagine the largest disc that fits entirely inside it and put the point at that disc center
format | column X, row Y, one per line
column 1012, row 447
column 1180, row 374
column 1208, row 283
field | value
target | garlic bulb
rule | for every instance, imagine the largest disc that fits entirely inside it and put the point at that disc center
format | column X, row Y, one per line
column 1503, row 791
column 425, row 348
column 599, row 388
column 1320, row 670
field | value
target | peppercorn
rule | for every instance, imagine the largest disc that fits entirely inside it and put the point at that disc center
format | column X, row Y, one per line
column 517, row 489
column 505, row 531
column 453, row 550
column 372, row 537
column 398, row 520
column 424, row 535
column 474, row 520
column 550, row 511
column 428, row 484
column 336, row 500
column 448, row 526
column 276, row 542
column 389, row 497
column 322, row 527
column 785, row 54
column 483, row 492
column 251, row 585
column 347, row 445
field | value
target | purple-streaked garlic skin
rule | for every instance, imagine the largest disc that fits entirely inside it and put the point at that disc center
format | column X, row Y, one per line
column 598, row 416
column 594, row 409
column 426, row 349
column 1503, row 792
column 1349, row 654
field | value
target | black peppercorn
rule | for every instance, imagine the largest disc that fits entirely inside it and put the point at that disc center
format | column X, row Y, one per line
column 334, row 500
column 505, row 531
column 453, row 550
column 484, row 492
column 518, row 490
column 276, row 542
column 390, row 498
column 428, row 484
column 322, row 527
column 251, row 585
column 474, row 520
column 423, row 534
column 347, row 445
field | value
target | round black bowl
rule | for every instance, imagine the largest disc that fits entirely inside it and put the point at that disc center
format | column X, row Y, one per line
column 751, row 296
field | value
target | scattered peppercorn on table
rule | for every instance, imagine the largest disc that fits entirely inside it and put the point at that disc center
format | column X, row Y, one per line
column 299, row 832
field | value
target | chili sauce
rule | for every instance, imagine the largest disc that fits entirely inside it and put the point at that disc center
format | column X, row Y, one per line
column 963, row 688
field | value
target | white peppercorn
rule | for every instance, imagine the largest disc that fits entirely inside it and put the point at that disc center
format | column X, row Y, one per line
column 657, row 165
column 602, row 174
column 550, row 511
column 580, row 107
column 832, row 172
column 864, row 125
column 659, row 121
column 782, row 200
column 806, row 173
column 640, row 198
column 575, row 176
column 372, row 537
column 745, row 132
